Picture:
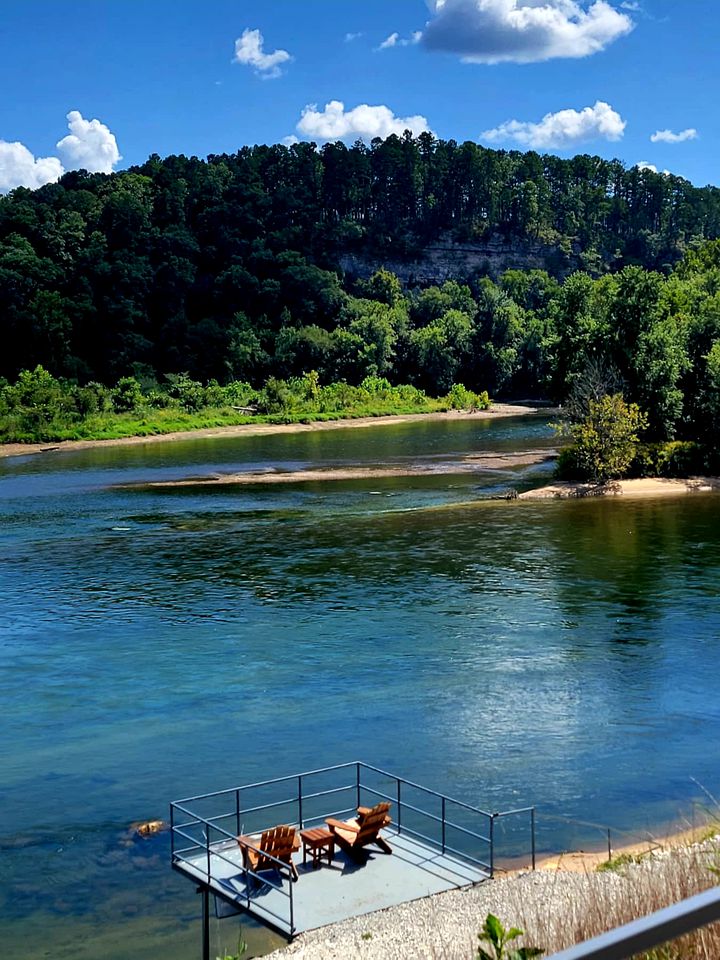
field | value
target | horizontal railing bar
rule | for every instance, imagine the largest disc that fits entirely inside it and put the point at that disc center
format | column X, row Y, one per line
column 326, row 793
column 448, row 823
column 195, row 846
column 189, row 823
column 256, row 905
column 230, row 836
column 335, row 813
column 267, row 783
column 268, row 806
column 589, row 823
column 470, row 833
column 512, row 813
column 221, row 856
column 193, row 840
column 468, row 806
column 467, row 856
column 285, row 893
column 436, row 843
column 648, row 932
column 418, row 786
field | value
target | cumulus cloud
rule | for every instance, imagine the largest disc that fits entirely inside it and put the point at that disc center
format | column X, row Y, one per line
column 89, row 146
column 566, row 128
column 20, row 168
column 523, row 31
column 250, row 53
column 644, row 165
column 334, row 122
column 390, row 41
column 667, row 136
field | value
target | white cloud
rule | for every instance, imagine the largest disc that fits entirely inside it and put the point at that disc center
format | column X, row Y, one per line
column 19, row 168
column 334, row 122
column 523, row 31
column 89, row 146
column 349, row 37
column 390, row 41
column 291, row 140
column 667, row 136
column 566, row 128
column 249, row 52
column 633, row 6
column 395, row 40
column 644, row 165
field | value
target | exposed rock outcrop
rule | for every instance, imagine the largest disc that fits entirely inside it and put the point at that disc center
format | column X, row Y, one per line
column 446, row 260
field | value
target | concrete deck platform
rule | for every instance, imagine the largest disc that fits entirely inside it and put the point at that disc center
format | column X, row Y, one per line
column 338, row 891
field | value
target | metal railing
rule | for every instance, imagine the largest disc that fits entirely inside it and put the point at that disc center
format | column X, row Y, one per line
column 652, row 931
column 210, row 823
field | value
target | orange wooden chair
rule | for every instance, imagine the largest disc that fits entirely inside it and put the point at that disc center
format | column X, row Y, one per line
column 353, row 835
column 279, row 842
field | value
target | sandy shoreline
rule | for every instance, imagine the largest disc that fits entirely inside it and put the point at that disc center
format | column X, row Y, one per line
column 263, row 429
column 473, row 463
column 646, row 487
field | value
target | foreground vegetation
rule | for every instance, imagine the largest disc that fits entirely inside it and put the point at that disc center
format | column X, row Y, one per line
column 641, row 886
column 38, row 407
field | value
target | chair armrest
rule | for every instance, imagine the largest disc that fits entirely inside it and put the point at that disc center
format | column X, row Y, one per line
column 342, row 825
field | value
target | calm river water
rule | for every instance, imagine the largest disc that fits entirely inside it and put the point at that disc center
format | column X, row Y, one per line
column 160, row 644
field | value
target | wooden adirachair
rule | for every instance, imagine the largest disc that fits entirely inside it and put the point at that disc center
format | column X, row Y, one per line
column 279, row 842
column 353, row 835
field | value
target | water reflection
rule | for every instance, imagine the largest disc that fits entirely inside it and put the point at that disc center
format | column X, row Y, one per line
column 155, row 645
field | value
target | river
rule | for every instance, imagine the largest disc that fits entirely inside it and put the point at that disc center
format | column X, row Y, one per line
column 157, row 643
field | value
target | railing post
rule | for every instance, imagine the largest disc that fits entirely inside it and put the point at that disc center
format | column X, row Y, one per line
column 292, row 908
column 300, row 809
column 206, row 923
column 207, row 848
column 443, row 824
column 492, row 845
column 399, row 806
column 357, row 782
column 237, row 811
column 172, row 832
column 532, row 831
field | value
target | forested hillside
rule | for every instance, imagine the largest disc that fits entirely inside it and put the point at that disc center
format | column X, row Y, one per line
column 226, row 270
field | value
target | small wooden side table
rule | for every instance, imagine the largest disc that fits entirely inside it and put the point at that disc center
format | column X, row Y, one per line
column 320, row 842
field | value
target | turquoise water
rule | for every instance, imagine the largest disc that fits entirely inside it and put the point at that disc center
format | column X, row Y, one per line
column 158, row 644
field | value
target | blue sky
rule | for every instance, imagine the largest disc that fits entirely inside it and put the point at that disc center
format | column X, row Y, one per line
column 167, row 77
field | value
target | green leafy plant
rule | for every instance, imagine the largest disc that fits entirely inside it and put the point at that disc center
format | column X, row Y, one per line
column 497, row 937
column 240, row 952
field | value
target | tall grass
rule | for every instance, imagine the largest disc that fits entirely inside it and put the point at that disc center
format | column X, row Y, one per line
column 600, row 901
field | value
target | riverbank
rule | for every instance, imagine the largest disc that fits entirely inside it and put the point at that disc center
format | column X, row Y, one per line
column 557, row 905
column 646, row 487
column 264, row 429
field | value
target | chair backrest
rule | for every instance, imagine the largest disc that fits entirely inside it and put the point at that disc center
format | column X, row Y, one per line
column 372, row 823
column 278, row 842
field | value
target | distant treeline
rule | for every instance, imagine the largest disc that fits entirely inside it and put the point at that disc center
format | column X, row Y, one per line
column 225, row 270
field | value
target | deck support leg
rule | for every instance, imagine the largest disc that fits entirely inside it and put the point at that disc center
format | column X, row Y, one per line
column 206, row 924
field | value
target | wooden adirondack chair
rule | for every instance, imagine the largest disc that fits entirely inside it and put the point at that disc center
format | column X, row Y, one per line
column 353, row 835
column 279, row 842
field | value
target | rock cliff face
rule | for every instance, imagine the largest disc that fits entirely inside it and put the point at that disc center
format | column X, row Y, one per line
column 445, row 260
